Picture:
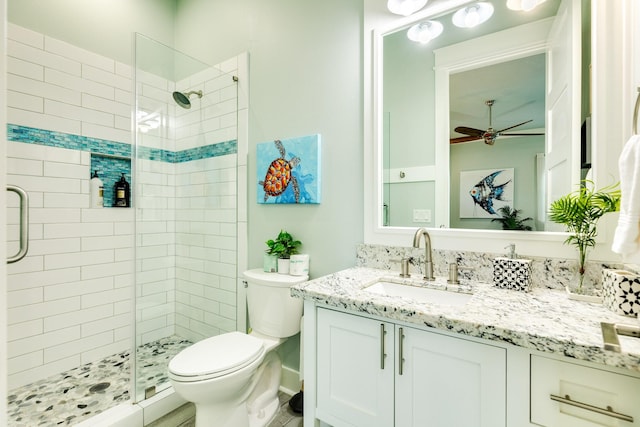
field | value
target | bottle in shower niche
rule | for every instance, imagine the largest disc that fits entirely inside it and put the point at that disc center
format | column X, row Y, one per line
column 122, row 193
column 97, row 191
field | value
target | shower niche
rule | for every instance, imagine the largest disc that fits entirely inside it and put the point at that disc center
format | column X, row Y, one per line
column 110, row 169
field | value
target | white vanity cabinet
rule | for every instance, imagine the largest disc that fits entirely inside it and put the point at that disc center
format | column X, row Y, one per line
column 570, row 395
column 355, row 370
column 376, row 373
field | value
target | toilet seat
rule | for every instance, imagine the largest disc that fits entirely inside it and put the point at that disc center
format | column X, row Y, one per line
column 215, row 357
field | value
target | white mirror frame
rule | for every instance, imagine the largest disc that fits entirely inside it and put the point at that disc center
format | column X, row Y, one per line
column 611, row 116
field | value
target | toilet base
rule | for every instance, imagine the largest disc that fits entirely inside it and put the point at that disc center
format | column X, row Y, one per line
column 263, row 417
column 256, row 406
column 236, row 417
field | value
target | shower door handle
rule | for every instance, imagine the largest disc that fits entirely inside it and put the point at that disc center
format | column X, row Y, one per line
column 24, row 223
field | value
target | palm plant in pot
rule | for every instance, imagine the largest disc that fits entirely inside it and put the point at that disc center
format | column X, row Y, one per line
column 579, row 212
column 283, row 247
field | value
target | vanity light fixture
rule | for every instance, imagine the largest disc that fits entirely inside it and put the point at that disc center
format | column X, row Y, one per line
column 405, row 7
column 473, row 15
column 524, row 5
column 424, row 32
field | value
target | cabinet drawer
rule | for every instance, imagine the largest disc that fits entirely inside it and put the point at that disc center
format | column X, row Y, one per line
column 568, row 395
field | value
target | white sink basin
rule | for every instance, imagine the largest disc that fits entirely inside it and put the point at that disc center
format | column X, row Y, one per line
column 418, row 293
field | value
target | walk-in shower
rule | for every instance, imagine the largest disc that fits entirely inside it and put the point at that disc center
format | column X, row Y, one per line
column 105, row 297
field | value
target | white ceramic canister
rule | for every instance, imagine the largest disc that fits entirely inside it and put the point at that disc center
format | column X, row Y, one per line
column 299, row 265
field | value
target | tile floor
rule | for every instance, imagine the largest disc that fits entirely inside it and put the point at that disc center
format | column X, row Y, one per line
column 78, row 394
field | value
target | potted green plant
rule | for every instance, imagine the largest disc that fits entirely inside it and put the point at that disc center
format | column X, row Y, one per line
column 510, row 220
column 579, row 212
column 283, row 246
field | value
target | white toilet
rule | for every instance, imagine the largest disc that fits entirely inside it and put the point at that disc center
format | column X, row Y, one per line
column 233, row 378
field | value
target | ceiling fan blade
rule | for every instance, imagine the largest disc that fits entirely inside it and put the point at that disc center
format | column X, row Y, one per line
column 464, row 139
column 514, row 126
column 469, row 131
column 521, row 134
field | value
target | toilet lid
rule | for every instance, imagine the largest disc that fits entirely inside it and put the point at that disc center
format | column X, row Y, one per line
column 216, row 356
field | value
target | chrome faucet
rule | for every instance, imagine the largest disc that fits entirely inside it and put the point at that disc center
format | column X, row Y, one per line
column 428, row 262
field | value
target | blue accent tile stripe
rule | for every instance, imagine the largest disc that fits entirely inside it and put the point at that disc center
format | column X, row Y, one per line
column 50, row 138
column 213, row 150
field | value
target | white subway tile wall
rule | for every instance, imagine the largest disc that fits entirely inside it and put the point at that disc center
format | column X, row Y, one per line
column 71, row 299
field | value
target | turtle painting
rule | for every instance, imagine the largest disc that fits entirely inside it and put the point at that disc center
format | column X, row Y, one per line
column 278, row 176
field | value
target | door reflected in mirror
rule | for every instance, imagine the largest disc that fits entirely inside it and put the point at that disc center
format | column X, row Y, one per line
column 423, row 157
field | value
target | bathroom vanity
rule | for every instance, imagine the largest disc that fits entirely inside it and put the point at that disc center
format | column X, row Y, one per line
column 497, row 358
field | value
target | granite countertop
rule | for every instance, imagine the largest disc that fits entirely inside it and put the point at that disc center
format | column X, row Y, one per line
column 544, row 320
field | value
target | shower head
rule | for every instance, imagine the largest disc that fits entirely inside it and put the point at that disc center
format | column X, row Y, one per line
column 182, row 99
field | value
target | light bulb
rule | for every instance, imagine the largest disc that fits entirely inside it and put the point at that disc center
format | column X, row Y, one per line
column 524, row 5
column 424, row 32
column 473, row 15
column 405, row 7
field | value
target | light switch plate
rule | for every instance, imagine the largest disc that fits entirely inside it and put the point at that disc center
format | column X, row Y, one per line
column 422, row 215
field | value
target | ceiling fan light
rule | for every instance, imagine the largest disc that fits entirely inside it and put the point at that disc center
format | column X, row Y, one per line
column 524, row 5
column 472, row 15
column 424, row 32
column 405, row 7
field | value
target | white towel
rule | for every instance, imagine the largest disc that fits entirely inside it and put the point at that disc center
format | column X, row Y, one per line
column 626, row 239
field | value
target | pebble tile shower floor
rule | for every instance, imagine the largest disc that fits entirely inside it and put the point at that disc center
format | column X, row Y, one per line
column 78, row 394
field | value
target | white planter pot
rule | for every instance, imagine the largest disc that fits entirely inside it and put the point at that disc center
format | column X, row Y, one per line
column 283, row 265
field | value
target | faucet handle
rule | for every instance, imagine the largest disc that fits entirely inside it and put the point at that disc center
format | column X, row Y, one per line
column 453, row 274
column 404, row 267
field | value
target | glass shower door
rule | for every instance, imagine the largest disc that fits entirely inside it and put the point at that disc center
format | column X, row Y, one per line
column 185, row 200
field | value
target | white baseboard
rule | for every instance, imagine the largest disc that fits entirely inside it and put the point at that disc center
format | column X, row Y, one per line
column 289, row 381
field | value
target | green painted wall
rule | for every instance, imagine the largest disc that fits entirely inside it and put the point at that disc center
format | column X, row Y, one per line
column 306, row 78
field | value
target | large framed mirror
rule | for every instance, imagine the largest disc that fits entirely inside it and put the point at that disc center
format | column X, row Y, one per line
column 506, row 73
column 415, row 123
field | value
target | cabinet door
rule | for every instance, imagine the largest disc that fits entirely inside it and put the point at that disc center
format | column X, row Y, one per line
column 447, row 381
column 354, row 378
column 559, row 391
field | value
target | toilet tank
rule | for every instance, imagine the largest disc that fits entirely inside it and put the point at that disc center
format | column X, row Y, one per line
column 272, row 309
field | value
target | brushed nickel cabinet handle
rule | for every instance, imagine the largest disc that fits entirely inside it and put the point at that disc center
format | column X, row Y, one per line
column 382, row 350
column 24, row 223
column 604, row 411
column 400, row 350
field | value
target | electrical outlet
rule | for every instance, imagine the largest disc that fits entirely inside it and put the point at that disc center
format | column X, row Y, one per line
column 422, row 215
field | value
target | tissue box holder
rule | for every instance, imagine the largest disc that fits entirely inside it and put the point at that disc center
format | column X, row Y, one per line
column 621, row 292
column 512, row 274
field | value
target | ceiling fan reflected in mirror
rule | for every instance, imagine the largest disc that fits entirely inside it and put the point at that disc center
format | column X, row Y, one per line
column 489, row 136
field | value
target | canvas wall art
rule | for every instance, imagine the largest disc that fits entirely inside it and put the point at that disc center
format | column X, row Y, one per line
column 288, row 170
column 483, row 192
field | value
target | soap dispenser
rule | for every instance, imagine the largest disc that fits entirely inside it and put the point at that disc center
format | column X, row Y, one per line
column 511, row 272
column 122, row 193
